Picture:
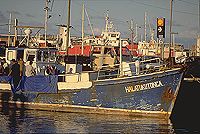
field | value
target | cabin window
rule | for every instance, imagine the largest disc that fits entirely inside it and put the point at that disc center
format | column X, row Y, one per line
column 107, row 51
column 52, row 56
column 2, row 52
column 10, row 55
column 45, row 55
column 30, row 57
column 113, row 35
column 96, row 50
column 20, row 54
column 49, row 56
column 39, row 56
column 117, row 51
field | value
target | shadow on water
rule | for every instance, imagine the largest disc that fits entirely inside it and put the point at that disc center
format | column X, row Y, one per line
column 10, row 111
column 57, row 122
column 127, row 124
column 15, row 118
column 185, row 115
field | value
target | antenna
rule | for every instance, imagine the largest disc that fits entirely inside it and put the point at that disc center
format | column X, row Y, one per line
column 145, row 27
column 9, row 28
column 136, row 32
column 131, row 29
column 82, row 27
column 199, row 18
column 131, row 33
column 89, row 23
column 170, row 32
column 15, row 29
column 198, row 36
column 68, row 25
column 151, row 32
column 46, row 20
column 51, row 5
column 107, row 23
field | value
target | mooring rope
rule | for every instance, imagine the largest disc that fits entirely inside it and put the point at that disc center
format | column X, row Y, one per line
column 195, row 79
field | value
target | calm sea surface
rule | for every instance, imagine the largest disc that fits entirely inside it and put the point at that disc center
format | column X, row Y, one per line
column 32, row 121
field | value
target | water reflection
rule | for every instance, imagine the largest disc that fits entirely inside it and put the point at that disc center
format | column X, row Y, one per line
column 23, row 121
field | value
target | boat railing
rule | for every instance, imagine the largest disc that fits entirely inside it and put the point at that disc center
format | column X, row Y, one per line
column 150, row 65
column 107, row 72
column 129, row 69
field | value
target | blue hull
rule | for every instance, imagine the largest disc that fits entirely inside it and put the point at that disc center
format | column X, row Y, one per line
column 154, row 92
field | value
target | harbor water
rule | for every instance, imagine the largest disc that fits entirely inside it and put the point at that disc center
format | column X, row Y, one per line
column 32, row 121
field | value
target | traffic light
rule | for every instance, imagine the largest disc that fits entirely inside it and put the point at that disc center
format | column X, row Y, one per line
column 161, row 27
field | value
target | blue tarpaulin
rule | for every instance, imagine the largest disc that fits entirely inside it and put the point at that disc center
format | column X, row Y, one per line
column 5, row 78
column 41, row 83
column 9, row 79
column 37, row 83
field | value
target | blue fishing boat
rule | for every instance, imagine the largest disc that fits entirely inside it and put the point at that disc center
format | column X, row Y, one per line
column 117, row 89
column 111, row 84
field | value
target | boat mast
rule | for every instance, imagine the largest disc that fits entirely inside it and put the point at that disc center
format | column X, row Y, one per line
column 145, row 32
column 198, row 35
column 83, row 8
column 107, row 23
column 131, row 34
column 16, row 32
column 68, row 25
column 45, row 21
column 120, row 57
column 145, row 27
column 199, row 20
column 170, row 32
column 136, row 32
column 90, row 23
column 9, row 28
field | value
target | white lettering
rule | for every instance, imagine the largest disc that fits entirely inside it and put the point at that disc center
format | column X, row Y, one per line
column 137, row 87
column 145, row 86
column 160, row 84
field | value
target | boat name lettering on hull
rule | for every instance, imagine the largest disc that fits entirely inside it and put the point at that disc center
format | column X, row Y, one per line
column 145, row 86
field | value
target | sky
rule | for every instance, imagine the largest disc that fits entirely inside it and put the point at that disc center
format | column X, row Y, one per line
column 31, row 12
